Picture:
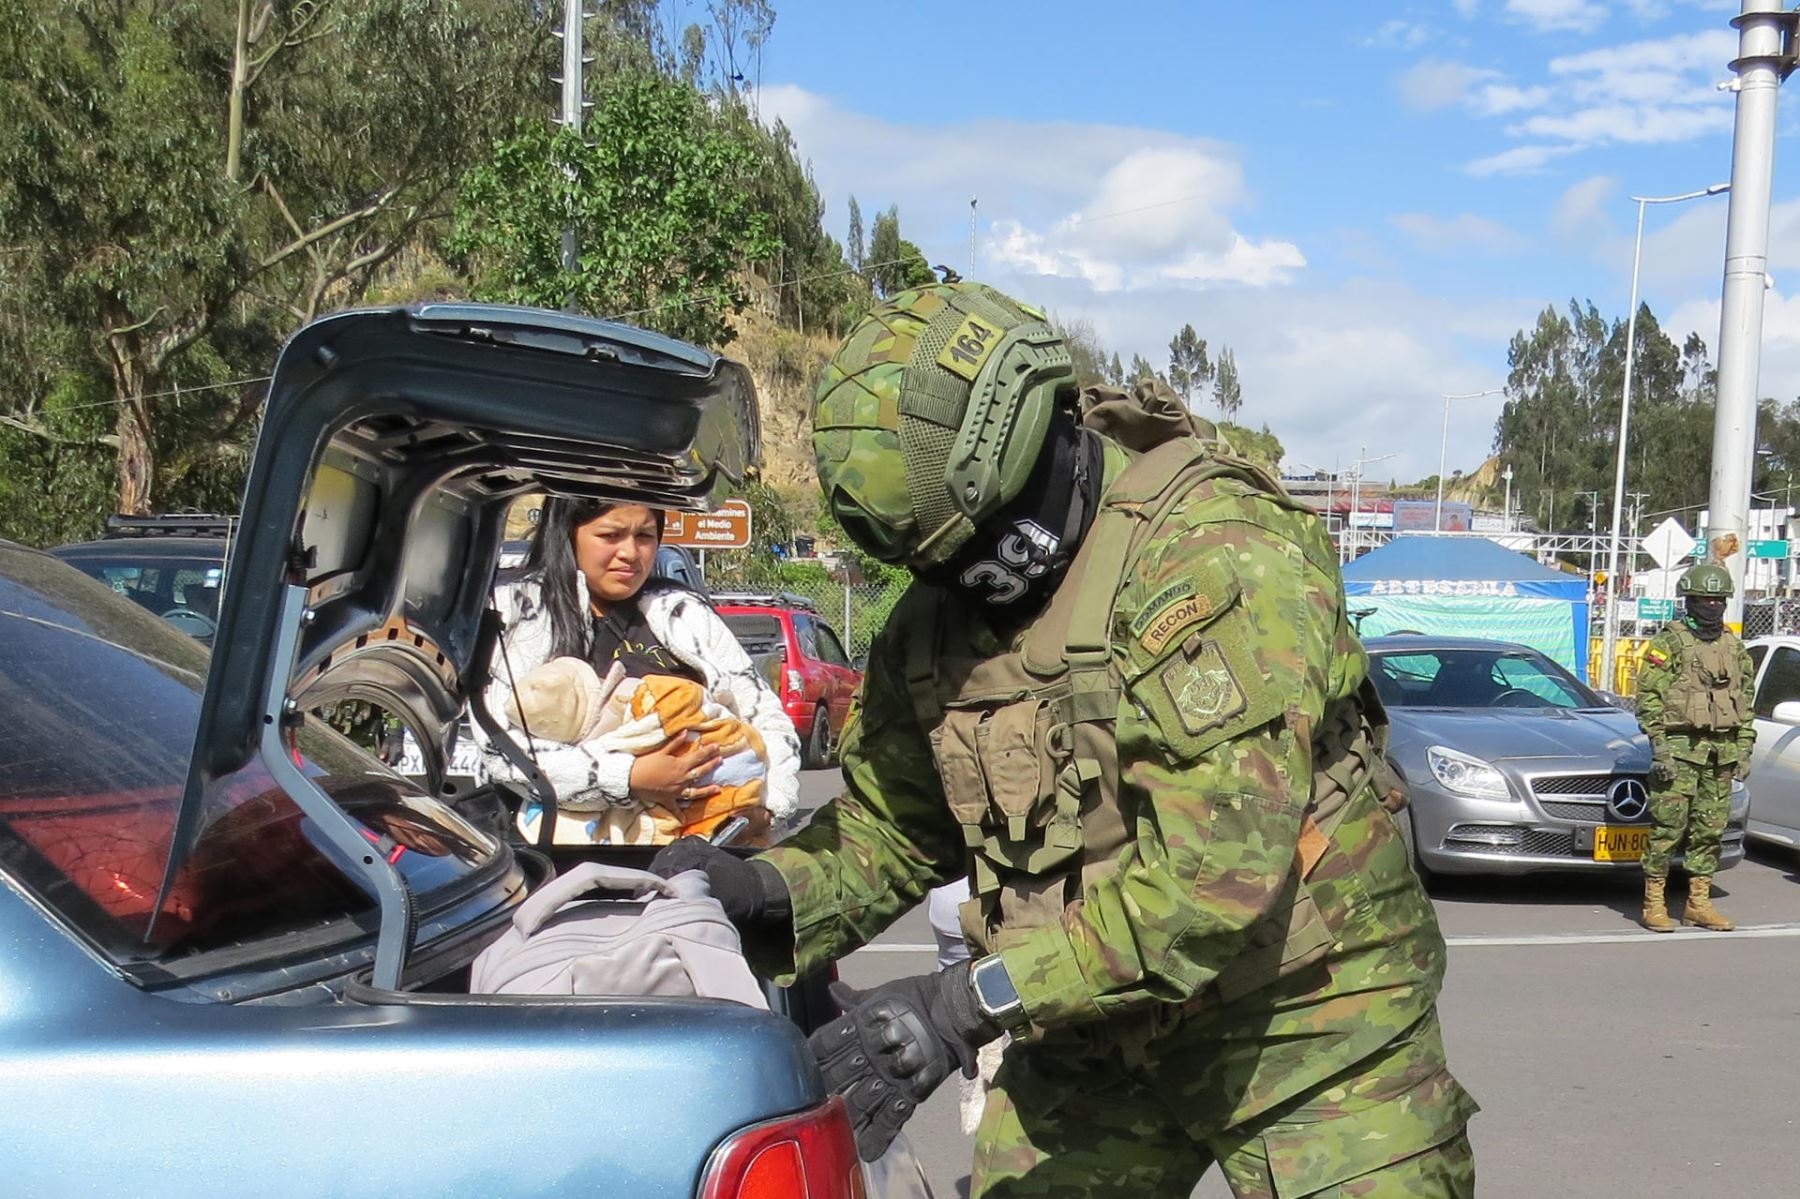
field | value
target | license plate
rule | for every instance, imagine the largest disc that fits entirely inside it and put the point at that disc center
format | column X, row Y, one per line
column 1620, row 843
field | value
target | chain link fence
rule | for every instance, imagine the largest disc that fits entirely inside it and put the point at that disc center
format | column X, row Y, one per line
column 854, row 602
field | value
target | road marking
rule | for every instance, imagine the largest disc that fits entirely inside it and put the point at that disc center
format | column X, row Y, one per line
column 1750, row 932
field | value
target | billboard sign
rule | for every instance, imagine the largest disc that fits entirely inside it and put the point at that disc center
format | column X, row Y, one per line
column 726, row 529
column 1421, row 516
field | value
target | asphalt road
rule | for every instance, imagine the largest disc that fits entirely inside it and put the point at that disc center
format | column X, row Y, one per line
column 1609, row 1061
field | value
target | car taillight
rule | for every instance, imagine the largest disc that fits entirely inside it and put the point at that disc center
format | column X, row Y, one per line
column 793, row 682
column 808, row 1156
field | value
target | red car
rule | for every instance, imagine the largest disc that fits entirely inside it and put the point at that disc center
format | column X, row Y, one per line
column 804, row 661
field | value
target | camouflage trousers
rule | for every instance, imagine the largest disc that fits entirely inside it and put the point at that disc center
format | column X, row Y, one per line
column 1392, row 1125
column 1695, row 805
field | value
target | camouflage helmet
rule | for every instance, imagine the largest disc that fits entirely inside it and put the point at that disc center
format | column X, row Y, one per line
column 1703, row 580
column 931, row 415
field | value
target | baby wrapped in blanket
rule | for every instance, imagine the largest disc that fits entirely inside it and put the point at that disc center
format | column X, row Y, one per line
column 566, row 700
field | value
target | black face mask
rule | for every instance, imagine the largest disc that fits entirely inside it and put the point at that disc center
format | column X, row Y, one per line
column 1017, row 556
column 1707, row 616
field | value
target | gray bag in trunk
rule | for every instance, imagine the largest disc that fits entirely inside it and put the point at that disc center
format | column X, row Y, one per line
column 652, row 936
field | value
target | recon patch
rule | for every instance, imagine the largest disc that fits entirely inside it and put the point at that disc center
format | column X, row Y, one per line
column 1202, row 689
column 1164, row 622
column 969, row 348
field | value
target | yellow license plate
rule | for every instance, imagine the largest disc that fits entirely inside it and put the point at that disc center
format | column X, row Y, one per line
column 1620, row 843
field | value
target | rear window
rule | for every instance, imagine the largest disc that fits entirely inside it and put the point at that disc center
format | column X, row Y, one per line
column 756, row 633
column 99, row 703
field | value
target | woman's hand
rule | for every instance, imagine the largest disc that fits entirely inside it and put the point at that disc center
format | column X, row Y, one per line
column 671, row 776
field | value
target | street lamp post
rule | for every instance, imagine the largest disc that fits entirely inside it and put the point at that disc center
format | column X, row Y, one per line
column 1444, row 446
column 1362, row 460
column 1610, row 638
column 1506, row 508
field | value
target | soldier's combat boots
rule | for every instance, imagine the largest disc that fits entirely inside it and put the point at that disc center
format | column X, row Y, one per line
column 1656, row 909
column 1699, row 911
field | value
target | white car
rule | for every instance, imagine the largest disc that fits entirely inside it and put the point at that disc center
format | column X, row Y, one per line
column 1775, row 766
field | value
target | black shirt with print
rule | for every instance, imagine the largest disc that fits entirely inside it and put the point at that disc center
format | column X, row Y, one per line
column 623, row 636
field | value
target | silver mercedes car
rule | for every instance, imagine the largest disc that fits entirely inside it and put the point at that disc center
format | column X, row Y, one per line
column 1514, row 765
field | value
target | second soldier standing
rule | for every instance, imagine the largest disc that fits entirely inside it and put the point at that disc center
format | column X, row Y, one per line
column 1695, row 700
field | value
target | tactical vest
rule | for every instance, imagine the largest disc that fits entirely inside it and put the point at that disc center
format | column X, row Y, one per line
column 1024, row 737
column 1707, row 693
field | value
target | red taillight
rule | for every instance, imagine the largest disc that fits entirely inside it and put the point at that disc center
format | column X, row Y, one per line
column 808, row 1156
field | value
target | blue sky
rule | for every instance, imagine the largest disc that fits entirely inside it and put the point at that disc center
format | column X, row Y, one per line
column 1364, row 200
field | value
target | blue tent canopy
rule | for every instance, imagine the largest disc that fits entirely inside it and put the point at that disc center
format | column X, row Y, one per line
column 1471, row 587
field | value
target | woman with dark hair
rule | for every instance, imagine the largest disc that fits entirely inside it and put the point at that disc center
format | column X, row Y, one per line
column 586, row 592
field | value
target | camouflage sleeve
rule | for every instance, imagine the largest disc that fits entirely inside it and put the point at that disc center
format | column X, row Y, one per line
column 1662, row 663
column 871, row 854
column 1746, row 736
column 1226, row 637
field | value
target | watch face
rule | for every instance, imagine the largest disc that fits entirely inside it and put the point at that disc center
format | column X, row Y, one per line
column 994, row 987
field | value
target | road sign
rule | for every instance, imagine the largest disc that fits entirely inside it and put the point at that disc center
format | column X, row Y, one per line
column 726, row 529
column 1668, row 543
column 1655, row 609
column 1768, row 549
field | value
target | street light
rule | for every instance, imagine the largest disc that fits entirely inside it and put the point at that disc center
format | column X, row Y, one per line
column 1506, row 508
column 1610, row 639
column 1362, row 460
column 1444, row 446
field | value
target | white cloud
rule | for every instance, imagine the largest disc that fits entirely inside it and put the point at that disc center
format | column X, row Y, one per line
column 1460, row 233
column 1113, row 205
column 1434, row 83
column 1778, row 373
column 1583, row 210
column 1396, row 34
column 1327, row 369
column 1498, row 99
column 1650, row 92
column 1466, row 8
column 1623, row 123
column 1550, row 16
column 1520, row 160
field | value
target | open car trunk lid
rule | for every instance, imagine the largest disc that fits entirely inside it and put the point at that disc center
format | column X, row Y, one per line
column 392, row 443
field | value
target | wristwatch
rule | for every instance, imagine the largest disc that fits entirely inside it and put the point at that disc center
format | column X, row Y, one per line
column 995, row 994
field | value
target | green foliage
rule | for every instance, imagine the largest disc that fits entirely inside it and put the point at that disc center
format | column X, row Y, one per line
column 1558, row 429
column 1140, row 369
column 894, row 264
column 150, row 269
column 660, row 203
column 1258, row 445
column 1228, row 392
column 1190, row 370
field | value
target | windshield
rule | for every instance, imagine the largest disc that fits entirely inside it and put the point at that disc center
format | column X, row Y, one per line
column 183, row 591
column 99, row 703
column 1476, row 678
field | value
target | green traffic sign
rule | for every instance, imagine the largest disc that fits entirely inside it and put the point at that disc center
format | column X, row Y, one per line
column 1768, row 549
column 1655, row 609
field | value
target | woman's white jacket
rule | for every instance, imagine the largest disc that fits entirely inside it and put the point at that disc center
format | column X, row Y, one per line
column 585, row 779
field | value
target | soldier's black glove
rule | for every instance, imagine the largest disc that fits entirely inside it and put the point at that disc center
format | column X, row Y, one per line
column 752, row 893
column 1662, row 770
column 894, row 1044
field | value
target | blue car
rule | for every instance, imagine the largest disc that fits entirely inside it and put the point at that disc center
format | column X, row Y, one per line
column 234, row 946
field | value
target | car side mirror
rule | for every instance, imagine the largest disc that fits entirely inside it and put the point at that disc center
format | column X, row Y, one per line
column 1786, row 712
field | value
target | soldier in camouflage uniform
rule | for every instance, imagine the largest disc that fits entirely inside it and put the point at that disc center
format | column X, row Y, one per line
column 1123, row 696
column 1695, row 700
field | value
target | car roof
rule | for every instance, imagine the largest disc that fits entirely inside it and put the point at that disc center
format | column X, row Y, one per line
column 141, row 549
column 1414, row 642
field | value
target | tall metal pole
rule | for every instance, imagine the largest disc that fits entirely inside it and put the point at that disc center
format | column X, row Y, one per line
column 1356, row 495
column 973, row 200
column 1609, row 638
column 572, row 62
column 1444, row 446
column 1506, row 510
column 1761, row 65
